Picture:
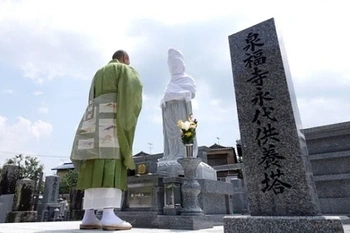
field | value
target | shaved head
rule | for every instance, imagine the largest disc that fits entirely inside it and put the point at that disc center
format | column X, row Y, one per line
column 121, row 56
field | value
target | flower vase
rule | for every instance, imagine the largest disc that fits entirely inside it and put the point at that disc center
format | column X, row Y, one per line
column 190, row 188
column 189, row 151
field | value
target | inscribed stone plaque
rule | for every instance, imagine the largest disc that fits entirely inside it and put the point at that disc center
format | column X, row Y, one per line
column 277, row 170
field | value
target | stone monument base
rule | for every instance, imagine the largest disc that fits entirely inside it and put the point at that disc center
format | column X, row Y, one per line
column 21, row 216
column 146, row 195
column 173, row 169
column 184, row 222
column 282, row 224
column 139, row 219
column 153, row 220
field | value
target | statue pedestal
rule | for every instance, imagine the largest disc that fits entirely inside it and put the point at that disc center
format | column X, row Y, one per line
column 144, row 203
column 167, row 199
column 171, row 168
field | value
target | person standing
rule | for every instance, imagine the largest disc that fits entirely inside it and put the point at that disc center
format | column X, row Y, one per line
column 102, row 148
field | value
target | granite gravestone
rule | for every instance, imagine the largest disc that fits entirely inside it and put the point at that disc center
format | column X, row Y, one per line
column 278, row 174
column 9, row 176
column 51, row 189
column 50, row 199
column 76, row 204
column 23, row 203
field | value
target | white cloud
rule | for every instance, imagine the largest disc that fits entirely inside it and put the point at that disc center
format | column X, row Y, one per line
column 43, row 60
column 33, row 72
column 37, row 93
column 41, row 129
column 213, row 107
column 49, row 14
column 145, row 97
column 157, row 118
column 195, row 104
column 8, row 91
column 22, row 133
column 153, row 110
column 319, row 111
column 2, row 120
column 43, row 110
column 60, row 45
column 215, row 102
column 56, row 46
column 47, row 59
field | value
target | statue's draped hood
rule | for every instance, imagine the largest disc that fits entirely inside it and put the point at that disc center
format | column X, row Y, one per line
column 176, row 62
column 181, row 86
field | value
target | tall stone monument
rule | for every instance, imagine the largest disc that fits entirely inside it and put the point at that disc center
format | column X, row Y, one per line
column 278, row 175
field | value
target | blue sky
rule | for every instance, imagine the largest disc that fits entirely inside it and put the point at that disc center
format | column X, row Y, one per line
column 49, row 51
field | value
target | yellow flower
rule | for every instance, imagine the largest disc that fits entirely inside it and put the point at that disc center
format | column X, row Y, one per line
column 188, row 134
column 179, row 123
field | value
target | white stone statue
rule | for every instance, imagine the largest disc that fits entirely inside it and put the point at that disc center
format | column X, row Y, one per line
column 176, row 105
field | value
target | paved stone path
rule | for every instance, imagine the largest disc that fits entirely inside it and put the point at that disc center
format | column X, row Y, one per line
column 73, row 227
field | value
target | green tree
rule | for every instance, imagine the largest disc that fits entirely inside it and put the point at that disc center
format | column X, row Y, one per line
column 30, row 167
column 68, row 181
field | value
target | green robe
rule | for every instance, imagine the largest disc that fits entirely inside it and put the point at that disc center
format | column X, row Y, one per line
column 107, row 166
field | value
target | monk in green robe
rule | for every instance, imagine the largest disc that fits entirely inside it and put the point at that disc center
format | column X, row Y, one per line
column 102, row 148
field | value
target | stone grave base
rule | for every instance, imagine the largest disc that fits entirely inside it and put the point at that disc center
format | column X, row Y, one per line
column 153, row 220
column 21, row 216
column 282, row 224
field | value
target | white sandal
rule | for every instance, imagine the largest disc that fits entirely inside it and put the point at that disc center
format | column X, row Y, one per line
column 90, row 226
column 120, row 226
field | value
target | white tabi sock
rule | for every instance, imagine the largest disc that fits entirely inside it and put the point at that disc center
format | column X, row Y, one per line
column 90, row 218
column 109, row 217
